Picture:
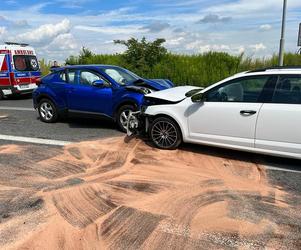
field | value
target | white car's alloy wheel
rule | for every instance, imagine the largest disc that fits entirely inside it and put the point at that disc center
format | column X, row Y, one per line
column 165, row 134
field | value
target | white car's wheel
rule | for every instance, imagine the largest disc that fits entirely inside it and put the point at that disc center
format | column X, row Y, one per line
column 165, row 133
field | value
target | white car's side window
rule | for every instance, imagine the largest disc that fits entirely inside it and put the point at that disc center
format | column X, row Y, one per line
column 234, row 92
column 240, row 90
column 288, row 90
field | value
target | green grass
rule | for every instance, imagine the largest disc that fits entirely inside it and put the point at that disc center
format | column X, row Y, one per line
column 199, row 70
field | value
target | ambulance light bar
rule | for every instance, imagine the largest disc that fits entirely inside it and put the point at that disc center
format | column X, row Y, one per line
column 21, row 44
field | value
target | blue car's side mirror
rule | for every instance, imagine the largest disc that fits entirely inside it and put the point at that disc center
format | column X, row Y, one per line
column 99, row 83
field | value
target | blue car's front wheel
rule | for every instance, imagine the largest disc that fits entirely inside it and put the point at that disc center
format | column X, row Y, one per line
column 122, row 116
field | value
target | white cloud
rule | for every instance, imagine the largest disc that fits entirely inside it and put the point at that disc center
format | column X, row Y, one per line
column 112, row 30
column 2, row 30
column 241, row 50
column 258, row 47
column 175, row 41
column 200, row 47
column 20, row 23
column 214, row 18
column 156, row 26
column 265, row 27
column 45, row 33
column 175, row 20
column 254, row 7
column 63, row 42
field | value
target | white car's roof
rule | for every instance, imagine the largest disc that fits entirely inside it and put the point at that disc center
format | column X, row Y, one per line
column 273, row 71
column 261, row 72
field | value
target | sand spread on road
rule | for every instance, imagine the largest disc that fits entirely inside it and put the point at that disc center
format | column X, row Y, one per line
column 118, row 194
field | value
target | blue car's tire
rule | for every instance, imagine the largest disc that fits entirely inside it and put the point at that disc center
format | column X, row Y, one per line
column 1, row 95
column 122, row 115
column 47, row 111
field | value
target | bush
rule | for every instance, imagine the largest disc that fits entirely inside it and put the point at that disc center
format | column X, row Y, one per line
column 199, row 70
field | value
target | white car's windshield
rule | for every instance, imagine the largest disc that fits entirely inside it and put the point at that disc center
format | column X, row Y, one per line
column 121, row 76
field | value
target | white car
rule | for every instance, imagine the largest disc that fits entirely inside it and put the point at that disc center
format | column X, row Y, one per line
column 256, row 111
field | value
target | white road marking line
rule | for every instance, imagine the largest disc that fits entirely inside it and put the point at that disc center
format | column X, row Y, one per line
column 17, row 108
column 34, row 140
column 282, row 169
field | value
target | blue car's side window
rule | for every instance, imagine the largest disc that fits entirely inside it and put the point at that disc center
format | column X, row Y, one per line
column 66, row 76
column 87, row 77
column 71, row 76
column 62, row 76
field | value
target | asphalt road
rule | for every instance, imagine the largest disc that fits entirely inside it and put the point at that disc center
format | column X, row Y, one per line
column 18, row 118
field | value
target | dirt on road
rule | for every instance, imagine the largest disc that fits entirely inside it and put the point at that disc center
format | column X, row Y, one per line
column 117, row 194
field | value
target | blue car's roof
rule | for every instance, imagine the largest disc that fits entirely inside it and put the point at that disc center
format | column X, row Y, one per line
column 95, row 66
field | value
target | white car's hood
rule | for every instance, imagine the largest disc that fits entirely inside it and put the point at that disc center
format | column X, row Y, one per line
column 173, row 94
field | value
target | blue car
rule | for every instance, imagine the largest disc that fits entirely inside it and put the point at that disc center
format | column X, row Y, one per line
column 93, row 90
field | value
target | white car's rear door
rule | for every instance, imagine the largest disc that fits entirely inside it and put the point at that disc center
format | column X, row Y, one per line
column 229, row 114
column 279, row 122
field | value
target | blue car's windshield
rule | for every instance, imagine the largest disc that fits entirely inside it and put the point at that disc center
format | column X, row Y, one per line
column 120, row 75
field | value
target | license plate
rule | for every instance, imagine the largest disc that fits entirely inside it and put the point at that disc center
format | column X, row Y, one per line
column 24, row 86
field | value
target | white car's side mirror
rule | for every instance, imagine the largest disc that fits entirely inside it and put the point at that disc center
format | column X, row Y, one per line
column 198, row 98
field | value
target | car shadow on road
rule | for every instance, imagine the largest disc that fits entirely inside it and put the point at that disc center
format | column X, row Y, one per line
column 272, row 161
column 18, row 97
column 89, row 123
column 266, row 160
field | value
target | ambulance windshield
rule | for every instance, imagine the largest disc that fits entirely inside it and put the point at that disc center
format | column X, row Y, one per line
column 26, row 63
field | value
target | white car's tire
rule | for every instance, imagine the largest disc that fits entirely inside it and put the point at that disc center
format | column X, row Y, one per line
column 165, row 133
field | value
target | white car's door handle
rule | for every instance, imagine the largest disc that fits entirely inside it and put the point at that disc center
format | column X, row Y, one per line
column 248, row 112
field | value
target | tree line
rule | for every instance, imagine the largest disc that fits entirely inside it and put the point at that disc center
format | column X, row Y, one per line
column 152, row 60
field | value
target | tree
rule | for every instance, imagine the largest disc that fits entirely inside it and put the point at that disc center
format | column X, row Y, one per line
column 143, row 55
column 84, row 55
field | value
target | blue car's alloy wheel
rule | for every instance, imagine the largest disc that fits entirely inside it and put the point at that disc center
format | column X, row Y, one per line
column 165, row 133
column 47, row 111
column 123, row 116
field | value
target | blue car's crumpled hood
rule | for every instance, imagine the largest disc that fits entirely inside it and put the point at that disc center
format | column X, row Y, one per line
column 156, row 84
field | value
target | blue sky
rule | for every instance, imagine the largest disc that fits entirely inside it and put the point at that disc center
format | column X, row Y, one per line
column 59, row 28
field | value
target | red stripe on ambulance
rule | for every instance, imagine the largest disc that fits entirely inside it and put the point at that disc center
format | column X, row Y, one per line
column 4, row 82
column 3, row 66
column 23, row 52
column 22, row 80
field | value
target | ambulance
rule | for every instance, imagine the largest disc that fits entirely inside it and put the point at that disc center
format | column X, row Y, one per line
column 19, row 69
